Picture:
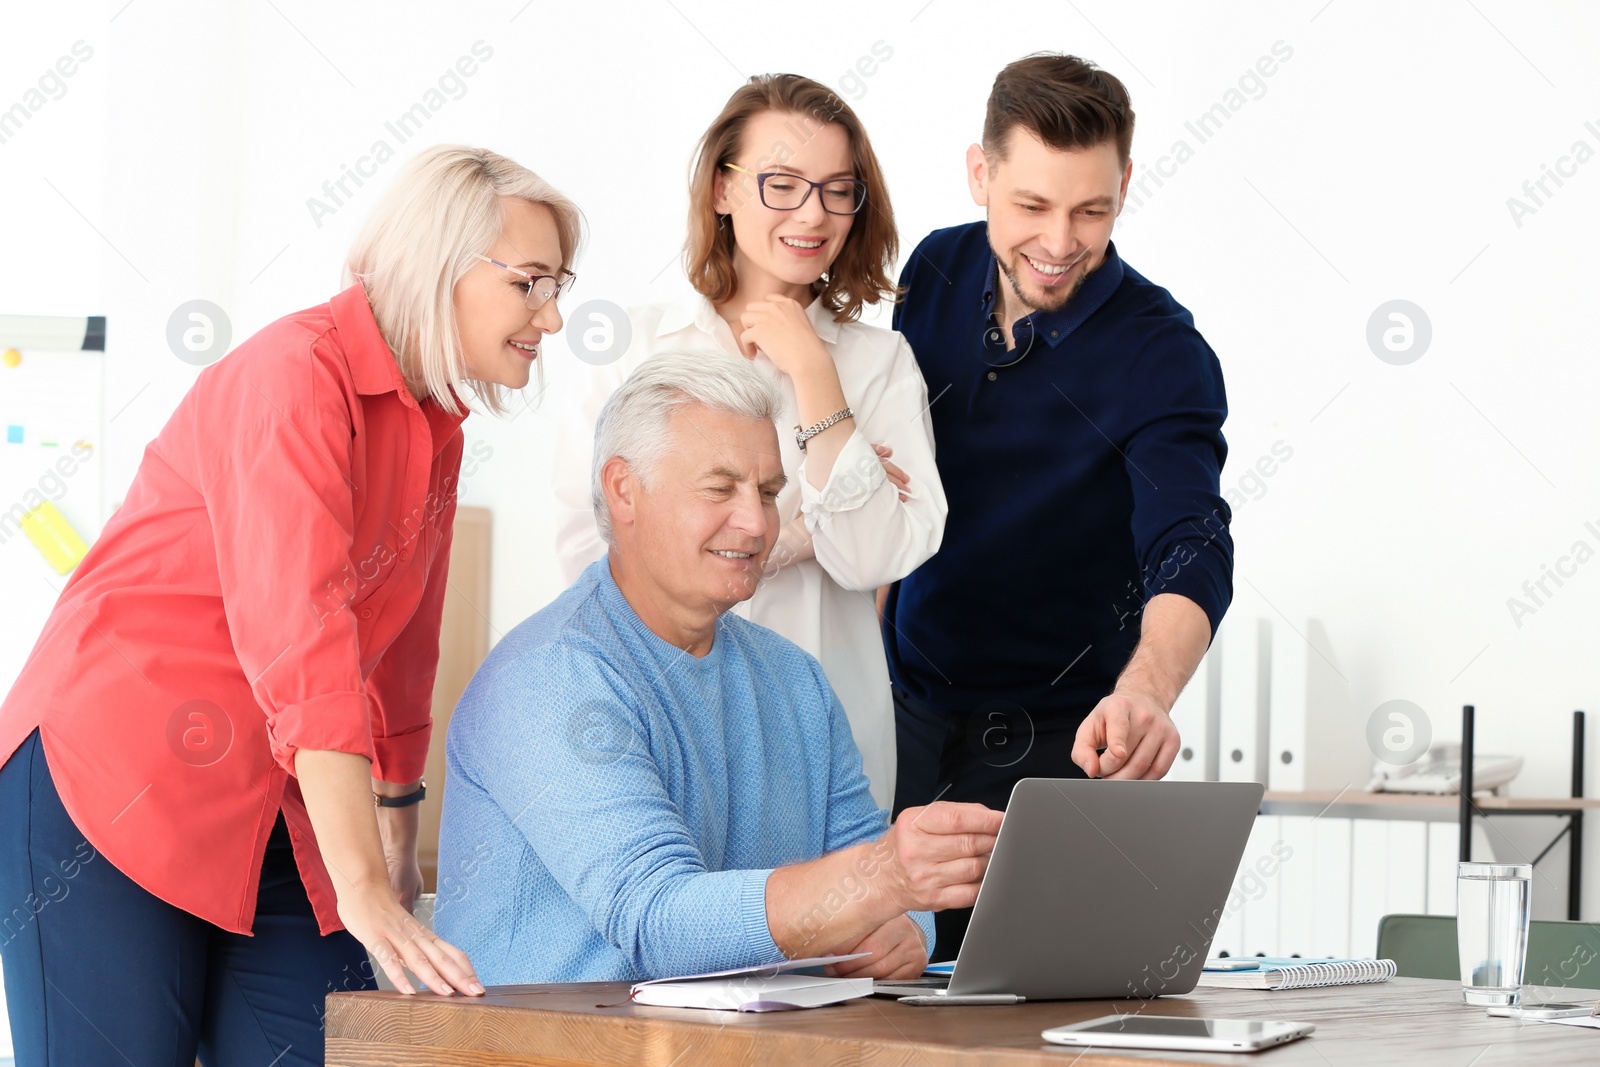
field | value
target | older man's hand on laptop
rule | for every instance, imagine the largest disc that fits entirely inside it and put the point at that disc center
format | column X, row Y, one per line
column 935, row 858
column 939, row 853
column 932, row 858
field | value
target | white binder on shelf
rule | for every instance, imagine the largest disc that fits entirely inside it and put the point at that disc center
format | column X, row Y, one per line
column 1407, row 870
column 1265, row 856
column 1314, row 740
column 1444, row 852
column 1229, row 939
column 1330, row 934
column 1388, row 876
column 1246, row 661
column 1369, row 882
column 1195, row 714
column 1297, row 911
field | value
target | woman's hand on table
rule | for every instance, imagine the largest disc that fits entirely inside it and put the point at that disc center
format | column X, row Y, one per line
column 400, row 943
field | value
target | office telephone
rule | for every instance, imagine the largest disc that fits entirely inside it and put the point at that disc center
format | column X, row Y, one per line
column 1439, row 771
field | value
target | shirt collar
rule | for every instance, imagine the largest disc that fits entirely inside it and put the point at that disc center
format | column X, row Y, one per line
column 822, row 320
column 373, row 368
column 1055, row 326
column 441, row 423
column 372, row 364
column 694, row 309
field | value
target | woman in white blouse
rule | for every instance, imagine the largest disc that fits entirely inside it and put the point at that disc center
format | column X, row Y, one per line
column 790, row 235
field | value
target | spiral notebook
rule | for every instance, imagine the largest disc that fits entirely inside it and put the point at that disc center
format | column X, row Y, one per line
column 1295, row 973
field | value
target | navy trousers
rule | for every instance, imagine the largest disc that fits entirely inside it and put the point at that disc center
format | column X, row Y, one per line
column 98, row 971
column 975, row 758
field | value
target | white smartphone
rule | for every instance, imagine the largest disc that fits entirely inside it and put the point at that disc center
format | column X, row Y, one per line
column 1178, row 1033
column 1233, row 963
column 1549, row 1010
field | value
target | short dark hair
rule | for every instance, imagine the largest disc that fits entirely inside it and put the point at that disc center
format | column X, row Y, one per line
column 1067, row 102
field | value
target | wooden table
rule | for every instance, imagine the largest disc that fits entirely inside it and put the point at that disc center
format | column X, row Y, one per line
column 1413, row 1021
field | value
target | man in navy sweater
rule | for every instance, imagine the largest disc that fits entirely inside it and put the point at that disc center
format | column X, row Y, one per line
column 1078, row 413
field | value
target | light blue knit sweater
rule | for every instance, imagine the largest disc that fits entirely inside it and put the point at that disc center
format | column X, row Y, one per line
column 615, row 805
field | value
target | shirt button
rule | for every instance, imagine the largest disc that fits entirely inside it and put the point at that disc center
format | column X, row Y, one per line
column 405, row 556
column 366, row 613
column 1055, row 333
column 993, row 376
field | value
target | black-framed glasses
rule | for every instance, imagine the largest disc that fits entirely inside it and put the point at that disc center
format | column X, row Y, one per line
column 786, row 192
column 542, row 288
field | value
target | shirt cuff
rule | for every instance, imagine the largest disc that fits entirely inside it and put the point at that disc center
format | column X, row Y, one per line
column 857, row 473
column 1199, row 573
column 403, row 757
column 334, row 722
column 753, row 917
column 924, row 919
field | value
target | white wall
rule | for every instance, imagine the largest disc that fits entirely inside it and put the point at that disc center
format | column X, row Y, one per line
column 1373, row 164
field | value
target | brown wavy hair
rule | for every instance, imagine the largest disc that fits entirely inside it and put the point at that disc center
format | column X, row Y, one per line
column 861, row 273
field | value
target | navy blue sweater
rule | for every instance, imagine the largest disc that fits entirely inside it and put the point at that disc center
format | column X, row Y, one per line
column 1082, row 480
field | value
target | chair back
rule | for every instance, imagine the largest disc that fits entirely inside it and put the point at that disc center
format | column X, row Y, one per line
column 1560, row 953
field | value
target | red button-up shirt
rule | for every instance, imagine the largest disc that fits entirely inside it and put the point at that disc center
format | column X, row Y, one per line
column 273, row 581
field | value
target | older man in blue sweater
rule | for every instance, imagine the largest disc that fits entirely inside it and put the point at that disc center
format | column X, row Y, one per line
column 642, row 785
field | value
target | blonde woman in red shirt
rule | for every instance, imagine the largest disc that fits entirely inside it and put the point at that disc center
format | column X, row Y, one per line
column 211, row 756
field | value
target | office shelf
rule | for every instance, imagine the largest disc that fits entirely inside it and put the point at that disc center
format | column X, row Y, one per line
column 1460, row 807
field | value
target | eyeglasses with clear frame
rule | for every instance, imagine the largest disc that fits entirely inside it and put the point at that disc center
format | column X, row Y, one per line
column 542, row 288
column 787, row 192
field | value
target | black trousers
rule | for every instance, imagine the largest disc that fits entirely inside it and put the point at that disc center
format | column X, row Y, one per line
column 976, row 758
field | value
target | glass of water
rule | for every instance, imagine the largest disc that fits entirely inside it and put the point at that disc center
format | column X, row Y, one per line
column 1493, row 902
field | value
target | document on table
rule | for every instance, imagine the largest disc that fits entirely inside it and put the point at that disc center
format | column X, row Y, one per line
column 767, row 987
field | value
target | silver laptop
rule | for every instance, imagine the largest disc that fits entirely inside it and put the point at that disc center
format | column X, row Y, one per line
column 1100, row 889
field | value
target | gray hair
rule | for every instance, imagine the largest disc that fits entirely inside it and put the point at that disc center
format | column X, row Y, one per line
column 634, row 424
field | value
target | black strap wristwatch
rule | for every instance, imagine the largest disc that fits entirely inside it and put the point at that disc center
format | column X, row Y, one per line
column 402, row 802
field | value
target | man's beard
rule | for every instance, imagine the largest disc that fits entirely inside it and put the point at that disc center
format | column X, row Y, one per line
column 1054, row 302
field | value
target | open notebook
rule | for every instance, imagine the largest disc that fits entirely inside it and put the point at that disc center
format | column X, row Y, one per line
column 771, row 987
column 1277, row 972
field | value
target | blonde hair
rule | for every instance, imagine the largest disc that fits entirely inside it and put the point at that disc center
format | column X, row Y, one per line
column 427, row 231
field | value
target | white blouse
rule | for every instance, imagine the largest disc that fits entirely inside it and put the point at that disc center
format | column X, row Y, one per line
column 863, row 535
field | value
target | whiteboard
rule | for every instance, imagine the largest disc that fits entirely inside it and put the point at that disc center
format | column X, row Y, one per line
column 52, row 432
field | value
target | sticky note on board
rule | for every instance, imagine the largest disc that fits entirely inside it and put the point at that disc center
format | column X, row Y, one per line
column 54, row 537
column 13, row 435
